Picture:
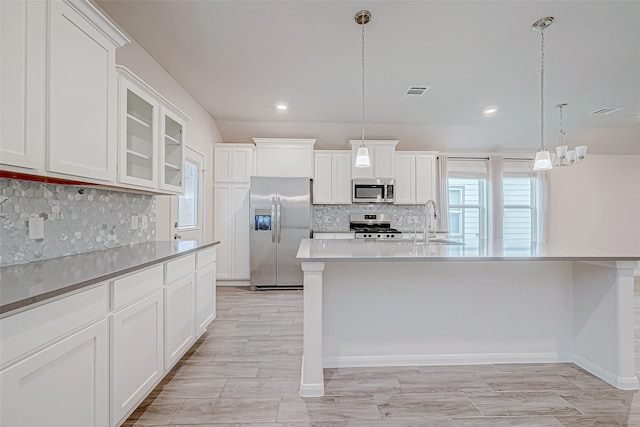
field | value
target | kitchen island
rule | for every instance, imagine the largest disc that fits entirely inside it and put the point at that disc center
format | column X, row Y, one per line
column 371, row 303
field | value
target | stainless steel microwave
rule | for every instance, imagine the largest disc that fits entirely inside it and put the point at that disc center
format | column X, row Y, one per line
column 373, row 190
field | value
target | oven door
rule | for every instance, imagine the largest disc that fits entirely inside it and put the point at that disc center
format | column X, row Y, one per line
column 368, row 193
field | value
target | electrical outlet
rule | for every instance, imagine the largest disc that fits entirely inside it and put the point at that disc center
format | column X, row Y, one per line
column 36, row 227
column 144, row 222
column 134, row 222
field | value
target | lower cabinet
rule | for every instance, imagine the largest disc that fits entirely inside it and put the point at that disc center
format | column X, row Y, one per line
column 88, row 359
column 65, row 384
column 136, row 353
column 179, row 331
column 205, row 297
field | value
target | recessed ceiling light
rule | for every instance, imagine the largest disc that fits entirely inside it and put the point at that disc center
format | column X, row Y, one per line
column 281, row 107
column 490, row 110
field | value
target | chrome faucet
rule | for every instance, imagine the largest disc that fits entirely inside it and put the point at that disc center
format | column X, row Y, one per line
column 429, row 230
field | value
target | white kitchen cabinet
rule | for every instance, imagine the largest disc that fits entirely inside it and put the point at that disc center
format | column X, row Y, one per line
column 284, row 157
column 233, row 162
column 23, row 26
column 231, row 228
column 205, row 289
column 64, row 384
column 136, row 348
column 382, row 157
column 179, row 319
column 172, row 140
column 82, row 94
column 415, row 177
column 151, row 137
column 332, row 181
column 138, row 133
column 58, row 90
column 136, row 341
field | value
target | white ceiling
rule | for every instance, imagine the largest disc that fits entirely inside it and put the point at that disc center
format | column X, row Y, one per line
column 240, row 58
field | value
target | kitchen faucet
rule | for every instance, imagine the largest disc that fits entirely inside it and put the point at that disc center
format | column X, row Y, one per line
column 429, row 231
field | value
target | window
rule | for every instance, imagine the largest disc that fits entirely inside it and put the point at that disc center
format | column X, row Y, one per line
column 188, row 201
column 467, row 198
column 472, row 211
column 519, row 200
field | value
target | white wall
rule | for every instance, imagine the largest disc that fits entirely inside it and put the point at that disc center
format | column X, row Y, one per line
column 202, row 130
column 597, row 203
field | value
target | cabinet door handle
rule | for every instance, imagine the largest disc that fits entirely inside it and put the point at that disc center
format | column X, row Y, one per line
column 273, row 220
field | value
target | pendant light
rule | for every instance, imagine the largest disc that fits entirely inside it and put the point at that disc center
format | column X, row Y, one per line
column 566, row 157
column 362, row 156
column 543, row 159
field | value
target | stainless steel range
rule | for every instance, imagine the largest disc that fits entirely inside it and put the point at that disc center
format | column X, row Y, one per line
column 373, row 226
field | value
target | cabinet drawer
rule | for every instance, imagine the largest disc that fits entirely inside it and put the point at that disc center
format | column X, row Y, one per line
column 32, row 329
column 130, row 288
column 179, row 268
column 205, row 257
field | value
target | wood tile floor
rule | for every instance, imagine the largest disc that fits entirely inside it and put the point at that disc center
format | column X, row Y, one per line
column 245, row 371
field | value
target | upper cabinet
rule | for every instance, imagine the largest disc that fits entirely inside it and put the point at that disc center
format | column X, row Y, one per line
column 415, row 177
column 23, row 27
column 82, row 91
column 138, row 134
column 172, row 139
column 151, row 137
column 284, row 157
column 382, row 157
column 233, row 162
column 58, row 92
column 332, row 181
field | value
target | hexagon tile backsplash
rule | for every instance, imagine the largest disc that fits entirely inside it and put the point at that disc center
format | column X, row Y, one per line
column 76, row 220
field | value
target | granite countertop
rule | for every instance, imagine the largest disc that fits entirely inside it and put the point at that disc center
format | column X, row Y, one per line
column 478, row 250
column 26, row 284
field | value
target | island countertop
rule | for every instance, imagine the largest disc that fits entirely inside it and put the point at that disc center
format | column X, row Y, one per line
column 363, row 250
column 26, row 284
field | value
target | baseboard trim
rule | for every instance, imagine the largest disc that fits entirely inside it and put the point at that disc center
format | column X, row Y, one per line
column 311, row 390
column 442, row 359
column 232, row 283
column 623, row 383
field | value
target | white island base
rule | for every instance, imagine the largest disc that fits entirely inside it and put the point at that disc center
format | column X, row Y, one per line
column 426, row 311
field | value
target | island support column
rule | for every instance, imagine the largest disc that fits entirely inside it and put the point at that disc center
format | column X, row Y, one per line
column 312, row 378
column 603, row 321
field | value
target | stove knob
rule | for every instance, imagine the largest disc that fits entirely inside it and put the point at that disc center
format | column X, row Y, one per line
column 392, row 235
column 379, row 236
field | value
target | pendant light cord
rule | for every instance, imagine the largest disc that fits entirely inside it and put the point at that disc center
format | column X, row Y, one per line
column 362, row 119
column 542, row 89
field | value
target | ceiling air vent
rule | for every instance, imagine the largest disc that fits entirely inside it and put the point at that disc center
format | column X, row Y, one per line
column 604, row 111
column 416, row 91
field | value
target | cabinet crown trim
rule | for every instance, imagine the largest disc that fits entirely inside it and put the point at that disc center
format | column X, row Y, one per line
column 100, row 21
column 284, row 141
column 133, row 77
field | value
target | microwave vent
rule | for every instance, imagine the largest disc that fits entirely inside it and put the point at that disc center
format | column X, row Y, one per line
column 416, row 91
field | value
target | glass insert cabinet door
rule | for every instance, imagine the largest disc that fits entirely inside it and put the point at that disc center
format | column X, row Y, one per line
column 138, row 136
column 172, row 137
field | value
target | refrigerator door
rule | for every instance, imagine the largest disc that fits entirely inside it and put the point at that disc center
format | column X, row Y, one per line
column 262, row 231
column 294, row 224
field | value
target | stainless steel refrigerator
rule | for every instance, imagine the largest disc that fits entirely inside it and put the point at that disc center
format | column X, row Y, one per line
column 280, row 218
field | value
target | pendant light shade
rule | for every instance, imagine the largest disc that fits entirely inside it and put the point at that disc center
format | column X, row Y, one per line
column 362, row 158
column 543, row 158
column 543, row 161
